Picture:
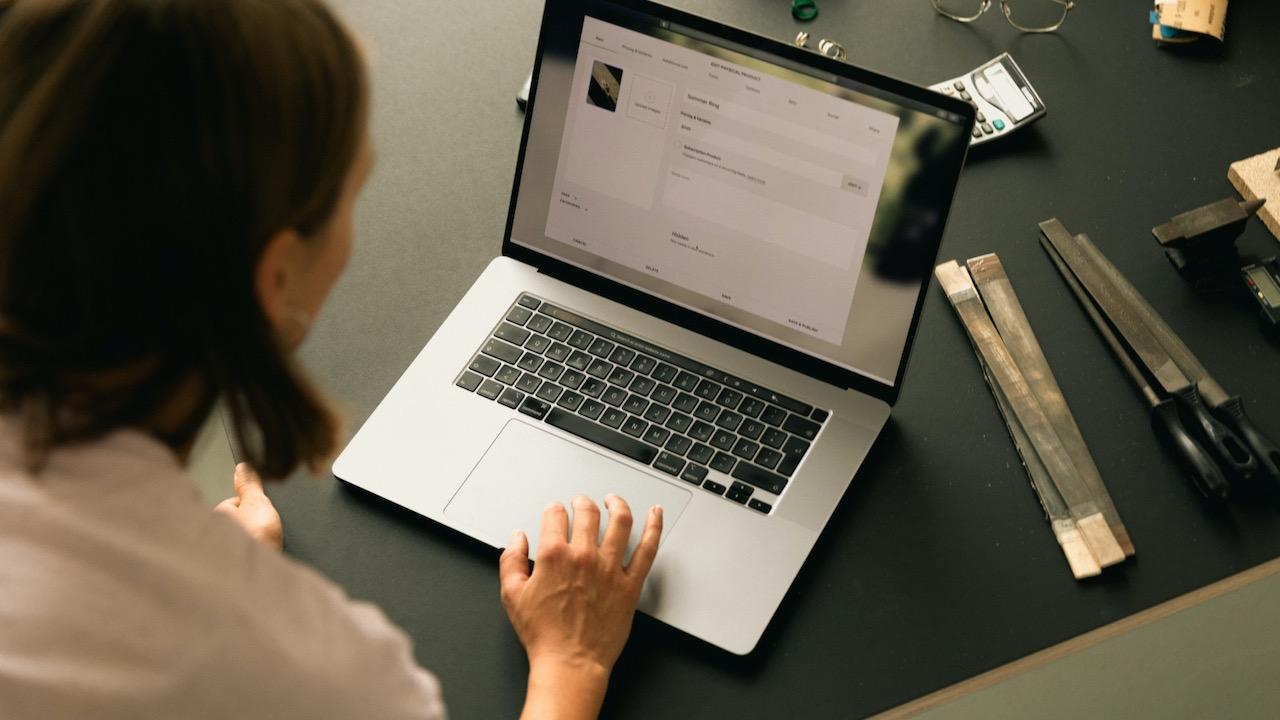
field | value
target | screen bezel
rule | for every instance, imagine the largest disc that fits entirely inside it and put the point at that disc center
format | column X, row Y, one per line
column 558, row 12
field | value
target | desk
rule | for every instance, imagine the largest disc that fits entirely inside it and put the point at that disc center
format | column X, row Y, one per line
column 937, row 565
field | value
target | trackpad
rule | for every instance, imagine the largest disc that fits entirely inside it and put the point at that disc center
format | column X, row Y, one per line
column 526, row 468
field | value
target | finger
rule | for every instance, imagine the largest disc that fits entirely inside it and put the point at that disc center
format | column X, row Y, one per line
column 586, row 522
column 247, row 481
column 618, row 531
column 228, row 505
column 513, row 566
column 642, row 558
column 555, row 527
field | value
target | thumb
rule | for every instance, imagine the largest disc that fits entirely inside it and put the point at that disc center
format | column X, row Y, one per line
column 247, row 481
column 513, row 566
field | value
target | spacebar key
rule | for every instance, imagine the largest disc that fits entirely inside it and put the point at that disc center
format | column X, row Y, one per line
column 601, row 435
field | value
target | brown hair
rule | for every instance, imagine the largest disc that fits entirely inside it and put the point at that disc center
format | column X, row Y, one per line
column 148, row 151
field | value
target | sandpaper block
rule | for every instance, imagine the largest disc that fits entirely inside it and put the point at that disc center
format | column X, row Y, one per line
column 1256, row 177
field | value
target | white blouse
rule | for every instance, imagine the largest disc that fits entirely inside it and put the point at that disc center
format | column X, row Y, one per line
column 123, row 596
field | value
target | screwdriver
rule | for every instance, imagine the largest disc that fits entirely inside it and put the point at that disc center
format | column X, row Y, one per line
column 1165, row 420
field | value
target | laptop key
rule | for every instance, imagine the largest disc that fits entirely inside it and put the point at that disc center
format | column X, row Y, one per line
column 707, row 411
column 759, row 506
column 739, row 492
column 613, row 417
column 485, row 365
column 622, row 355
column 570, row 400
column 701, row 431
column 723, row 462
column 729, row 398
column 537, row 343
column 694, row 474
column 679, row 422
column 621, row 376
column 539, row 323
column 663, row 394
column 773, row 415
column 685, row 403
column 507, row 375
column 614, row 396
column 533, row 407
column 686, row 380
column 679, row 444
column 657, row 413
column 729, row 420
column 501, row 350
column 558, row 352
column 530, row 362
column 560, row 331
column 758, row 476
column 592, row 387
column 551, row 370
column 643, row 364
column 490, row 389
column 700, row 453
column 469, row 381
column 664, row 373
column 634, row 426
column 512, row 334
column 795, row 447
column 635, row 404
column 550, row 392
column 599, row 368
column 528, row 382
column 604, row 437
column 657, row 435
column 773, row 438
column 600, row 348
column 751, row 407
column 578, row 360
column 669, row 464
column 797, row 425
column 707, row 390
column 580, row 340
column 819, row 415
column 768, row 458
column 713, row 486
column 511, row 397
column 723, row 440
column 745, row 449
column 787, row 466
column 530, row 302
column 591, row 409
column 642, row 385
column 519, row 315
column 572, row 379
column 751, row 429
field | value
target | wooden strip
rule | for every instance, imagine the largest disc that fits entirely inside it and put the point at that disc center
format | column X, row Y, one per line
column 1080, row 643
column 1011, row 321
column 964, row 298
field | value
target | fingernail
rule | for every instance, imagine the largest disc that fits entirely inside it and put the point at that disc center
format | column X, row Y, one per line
column 515, row 537
column 657, row 511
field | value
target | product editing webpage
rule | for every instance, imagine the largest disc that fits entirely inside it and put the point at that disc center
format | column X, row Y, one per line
column 740, row 186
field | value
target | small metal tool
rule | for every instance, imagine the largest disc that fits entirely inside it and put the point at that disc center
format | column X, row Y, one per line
column 1201, row 246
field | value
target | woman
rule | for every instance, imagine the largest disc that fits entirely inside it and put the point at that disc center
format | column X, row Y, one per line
column 177, row 182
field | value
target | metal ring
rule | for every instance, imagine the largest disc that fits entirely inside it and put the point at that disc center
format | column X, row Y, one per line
column 804, row 10
column 832, row 49
column 802, row 39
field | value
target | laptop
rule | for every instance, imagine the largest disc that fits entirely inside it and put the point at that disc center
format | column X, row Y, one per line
column 713, row 266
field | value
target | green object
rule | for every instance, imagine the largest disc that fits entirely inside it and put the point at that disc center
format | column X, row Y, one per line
column 998, row 123
column 804, row 9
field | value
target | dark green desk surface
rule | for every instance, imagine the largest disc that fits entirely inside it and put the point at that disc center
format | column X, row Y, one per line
column 938, row 564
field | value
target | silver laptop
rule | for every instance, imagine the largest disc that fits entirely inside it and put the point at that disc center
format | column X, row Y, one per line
column 713, row 267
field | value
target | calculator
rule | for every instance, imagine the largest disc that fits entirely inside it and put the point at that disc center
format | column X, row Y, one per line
column 1001, row 94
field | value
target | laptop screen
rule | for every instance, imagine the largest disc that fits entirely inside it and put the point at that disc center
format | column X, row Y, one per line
column 797, row 205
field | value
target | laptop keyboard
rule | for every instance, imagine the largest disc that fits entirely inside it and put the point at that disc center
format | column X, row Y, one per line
column 654, row 406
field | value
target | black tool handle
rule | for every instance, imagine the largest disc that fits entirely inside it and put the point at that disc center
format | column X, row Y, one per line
column 1265, row 452
column 1167, row 422
column 1225, row 446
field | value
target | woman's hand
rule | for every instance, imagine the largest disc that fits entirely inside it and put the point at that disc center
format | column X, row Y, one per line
column 253, row 509
column 574, row 612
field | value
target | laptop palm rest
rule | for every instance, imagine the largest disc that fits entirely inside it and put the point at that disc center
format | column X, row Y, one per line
column 526, row 468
